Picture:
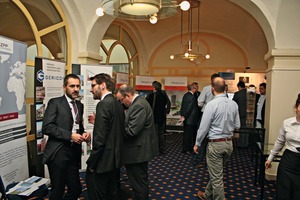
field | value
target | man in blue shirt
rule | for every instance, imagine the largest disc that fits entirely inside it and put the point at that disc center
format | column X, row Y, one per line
column 220, row 118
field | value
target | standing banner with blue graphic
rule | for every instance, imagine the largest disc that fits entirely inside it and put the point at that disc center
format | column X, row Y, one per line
column 49, row 77
column 13, row 146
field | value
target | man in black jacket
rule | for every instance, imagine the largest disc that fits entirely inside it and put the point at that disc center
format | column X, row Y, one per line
column 260, row 106
column 108, row 138
column 189, row 115
column 63, row 124
column 159, row 103
column 141, row 143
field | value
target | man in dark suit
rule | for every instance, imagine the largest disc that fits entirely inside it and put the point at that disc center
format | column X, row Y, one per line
column 260, row 106
column 63, row 124
column 189, row 115
column 240, row 97
column 158, row 102
column 141, row 142
column 108, row 139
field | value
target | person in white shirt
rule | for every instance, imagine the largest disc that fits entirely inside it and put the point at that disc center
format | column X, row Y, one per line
column 288, row 174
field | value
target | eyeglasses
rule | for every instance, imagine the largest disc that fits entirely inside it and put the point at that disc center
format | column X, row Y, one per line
column 93, row 85
column 121, row 100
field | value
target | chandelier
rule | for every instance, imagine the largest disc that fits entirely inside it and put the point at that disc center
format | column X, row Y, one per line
column 187, row 52
column 151, row 10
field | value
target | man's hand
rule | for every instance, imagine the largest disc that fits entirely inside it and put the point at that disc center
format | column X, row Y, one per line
column 91, row 118
column 182, row 118
column 86, row 137
column 268, row 164
column 196, row 149
column 77, row 138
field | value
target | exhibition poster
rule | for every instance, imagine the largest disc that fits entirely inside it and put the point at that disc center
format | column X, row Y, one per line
column 49, row 76
column 13, row 143
column 121, row 78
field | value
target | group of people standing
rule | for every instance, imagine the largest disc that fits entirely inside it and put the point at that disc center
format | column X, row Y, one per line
column 209, row 121
column 133, row 136
column 119, row 138
column 215, row 123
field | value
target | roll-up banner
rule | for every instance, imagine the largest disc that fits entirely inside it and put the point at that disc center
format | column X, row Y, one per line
column 121, row 78
column 13, row 143
column 144, row 82
column 176, row 83
column 48, row 83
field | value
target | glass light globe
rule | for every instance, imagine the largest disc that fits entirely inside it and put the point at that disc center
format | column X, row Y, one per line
column 185, row 5
column 153, row 19
column 100, row 12
column 186, row 54
column 172, row 57
column 207, row 56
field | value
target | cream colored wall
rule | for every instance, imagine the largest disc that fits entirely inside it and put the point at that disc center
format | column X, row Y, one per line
column 282, row 90
column 277, row 18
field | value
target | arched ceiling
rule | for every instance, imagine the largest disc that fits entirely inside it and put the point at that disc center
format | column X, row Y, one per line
column 221, row 18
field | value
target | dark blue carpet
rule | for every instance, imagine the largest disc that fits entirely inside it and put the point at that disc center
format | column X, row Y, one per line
column 173, row 175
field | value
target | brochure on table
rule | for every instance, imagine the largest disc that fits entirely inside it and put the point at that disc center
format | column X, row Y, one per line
column 27, row 187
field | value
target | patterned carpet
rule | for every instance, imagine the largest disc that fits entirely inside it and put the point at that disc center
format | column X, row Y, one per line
column 173, row 175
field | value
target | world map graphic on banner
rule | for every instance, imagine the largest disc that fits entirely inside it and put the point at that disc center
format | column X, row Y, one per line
column 13, row 76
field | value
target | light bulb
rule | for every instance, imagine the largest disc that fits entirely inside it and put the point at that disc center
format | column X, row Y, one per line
column 207, row 56
column 192, row 59
column 153, row 19
column 172, row 57
column 100, row 12
column 186, row 55
column 185, row 5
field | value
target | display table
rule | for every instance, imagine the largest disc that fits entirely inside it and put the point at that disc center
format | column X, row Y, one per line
column 173, row 124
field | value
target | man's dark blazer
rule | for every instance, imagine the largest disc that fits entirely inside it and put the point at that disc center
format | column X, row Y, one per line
column 141, row 141
column 240, row 97
column 189, row 109
column 108, row 136
column 262, row 111
column 58, row 124
column 160, row 106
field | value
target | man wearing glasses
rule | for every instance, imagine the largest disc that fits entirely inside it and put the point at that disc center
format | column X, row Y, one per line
column 108, row 138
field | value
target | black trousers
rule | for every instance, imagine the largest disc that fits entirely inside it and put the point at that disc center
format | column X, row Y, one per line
column 288, row 176
column 189, row 131
column 160, row 130
column 102, row 186
column 64, row 171
column 138, row 177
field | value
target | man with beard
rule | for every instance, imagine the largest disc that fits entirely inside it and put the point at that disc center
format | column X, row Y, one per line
column 108, row 138
column 63, row 124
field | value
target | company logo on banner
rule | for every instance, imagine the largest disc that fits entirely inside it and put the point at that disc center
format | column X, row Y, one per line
column 40, row 75
column 6, row 46
column 175, row 83
column 122, row 78
column 144, row 82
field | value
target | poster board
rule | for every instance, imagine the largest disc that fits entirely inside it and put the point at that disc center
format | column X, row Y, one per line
column 121, row 78
column 175, row 87
column 48, row 83
column 13, row 143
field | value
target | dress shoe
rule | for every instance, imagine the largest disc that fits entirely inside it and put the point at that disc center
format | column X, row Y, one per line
column 187, row 153
column 201, row 195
